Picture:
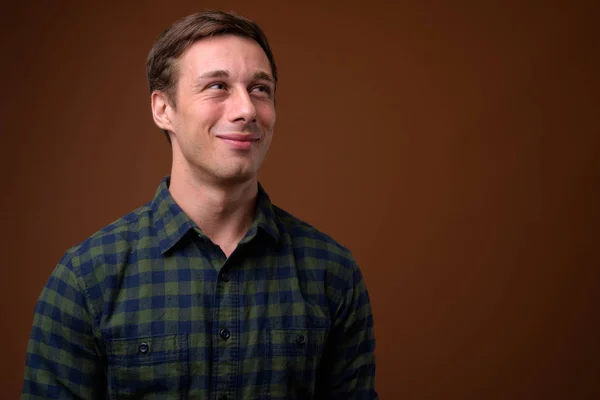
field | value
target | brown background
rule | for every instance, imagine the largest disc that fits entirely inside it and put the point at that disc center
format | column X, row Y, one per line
column 454, row 149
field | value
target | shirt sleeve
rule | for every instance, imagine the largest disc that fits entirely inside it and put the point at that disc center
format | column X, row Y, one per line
column 62, row 358
column 349, row 369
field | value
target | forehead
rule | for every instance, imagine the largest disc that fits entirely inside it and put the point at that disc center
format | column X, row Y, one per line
column 231, row 53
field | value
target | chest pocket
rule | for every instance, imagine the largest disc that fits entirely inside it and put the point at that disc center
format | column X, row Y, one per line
column 148, row 367
column 294, row 357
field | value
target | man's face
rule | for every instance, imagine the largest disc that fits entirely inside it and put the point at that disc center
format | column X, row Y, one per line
column 225, row 113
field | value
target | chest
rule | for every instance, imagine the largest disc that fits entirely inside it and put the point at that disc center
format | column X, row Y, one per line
column 198, row 325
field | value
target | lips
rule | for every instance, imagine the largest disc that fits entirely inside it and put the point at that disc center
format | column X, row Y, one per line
column 240, row 137
column 239, row 141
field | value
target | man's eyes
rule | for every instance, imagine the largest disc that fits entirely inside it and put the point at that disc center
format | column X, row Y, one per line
column 266, row 89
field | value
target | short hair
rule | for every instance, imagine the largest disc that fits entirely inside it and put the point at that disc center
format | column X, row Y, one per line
column 162, row 67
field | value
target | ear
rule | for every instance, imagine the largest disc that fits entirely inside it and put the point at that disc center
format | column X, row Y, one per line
column 162, row 111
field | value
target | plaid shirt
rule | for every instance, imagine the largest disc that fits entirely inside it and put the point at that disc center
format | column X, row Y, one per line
column 150, row 308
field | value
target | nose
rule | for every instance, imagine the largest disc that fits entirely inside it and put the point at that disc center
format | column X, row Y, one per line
column 241, row 108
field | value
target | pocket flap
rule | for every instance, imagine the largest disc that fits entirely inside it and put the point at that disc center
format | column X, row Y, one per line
column 297, row 341
column 146, row 350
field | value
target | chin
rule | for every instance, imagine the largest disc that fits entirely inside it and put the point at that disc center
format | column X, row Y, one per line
column 238, row 177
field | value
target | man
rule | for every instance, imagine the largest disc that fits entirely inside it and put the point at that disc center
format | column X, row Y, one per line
column 209, row 291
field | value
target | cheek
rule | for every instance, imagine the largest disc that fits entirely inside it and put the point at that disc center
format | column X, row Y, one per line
column 205, row 114
column 267, row 116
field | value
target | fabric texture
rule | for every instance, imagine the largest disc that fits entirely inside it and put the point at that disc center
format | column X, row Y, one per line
column 149, row 307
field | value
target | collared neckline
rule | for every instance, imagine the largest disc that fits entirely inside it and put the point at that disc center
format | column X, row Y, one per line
column 172, row 223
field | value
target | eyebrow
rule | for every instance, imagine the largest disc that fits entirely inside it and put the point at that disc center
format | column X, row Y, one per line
column 262, row 75
column 221, row 73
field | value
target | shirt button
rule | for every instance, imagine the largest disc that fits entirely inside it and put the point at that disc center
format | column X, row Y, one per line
column 144, row 348
column 225, row 276
column 301, row 340
column 225, row 334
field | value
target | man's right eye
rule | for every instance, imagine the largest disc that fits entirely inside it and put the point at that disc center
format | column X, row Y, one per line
column 216, row 85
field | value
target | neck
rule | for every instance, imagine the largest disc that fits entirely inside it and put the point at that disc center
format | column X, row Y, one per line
column 224, row 212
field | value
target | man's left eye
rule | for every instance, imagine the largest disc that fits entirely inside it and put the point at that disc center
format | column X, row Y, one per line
column 262, row 89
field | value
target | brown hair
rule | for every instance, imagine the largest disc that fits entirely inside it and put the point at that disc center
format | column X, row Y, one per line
column 161, row 65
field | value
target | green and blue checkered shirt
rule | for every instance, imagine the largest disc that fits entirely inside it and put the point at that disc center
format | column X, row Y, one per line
column 149, row 307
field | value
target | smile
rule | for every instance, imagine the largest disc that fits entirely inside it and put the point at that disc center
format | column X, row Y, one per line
column 238, row 141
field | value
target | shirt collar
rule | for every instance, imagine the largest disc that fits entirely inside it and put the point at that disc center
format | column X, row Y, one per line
column 172, row 223
column 265, row 218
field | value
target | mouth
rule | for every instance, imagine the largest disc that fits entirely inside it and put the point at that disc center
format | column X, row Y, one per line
column 240, row 141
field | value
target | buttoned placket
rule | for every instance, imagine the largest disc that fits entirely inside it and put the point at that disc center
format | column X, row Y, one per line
column 226, row 329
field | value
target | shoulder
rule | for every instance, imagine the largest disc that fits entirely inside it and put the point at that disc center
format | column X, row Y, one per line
column 110, row 245
column 316, row 249
column 306, row 235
